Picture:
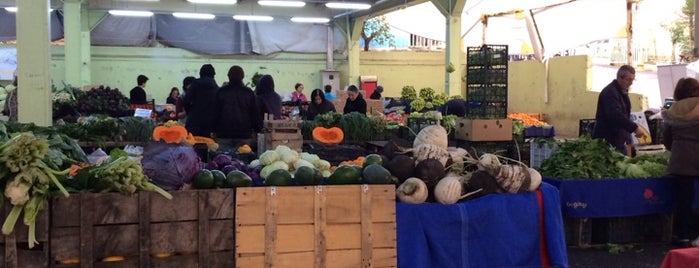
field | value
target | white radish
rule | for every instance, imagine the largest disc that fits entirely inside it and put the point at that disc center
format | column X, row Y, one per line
column 448, row 190
column 434, row 134
column 412, row 191
column 425, row 151
column 535, row 179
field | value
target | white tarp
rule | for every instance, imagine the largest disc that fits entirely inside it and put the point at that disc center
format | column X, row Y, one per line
column 562, row 27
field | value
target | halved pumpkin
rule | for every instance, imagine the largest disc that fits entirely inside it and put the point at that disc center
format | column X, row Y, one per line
column 328, row 136
column 170, row 134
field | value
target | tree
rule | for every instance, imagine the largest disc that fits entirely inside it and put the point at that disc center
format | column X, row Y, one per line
column 377, row 30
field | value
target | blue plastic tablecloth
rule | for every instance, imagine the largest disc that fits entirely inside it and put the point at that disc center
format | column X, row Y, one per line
column 498, row 230
column 602, row 198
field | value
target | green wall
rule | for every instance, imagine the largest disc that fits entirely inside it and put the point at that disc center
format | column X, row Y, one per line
column 166, row 67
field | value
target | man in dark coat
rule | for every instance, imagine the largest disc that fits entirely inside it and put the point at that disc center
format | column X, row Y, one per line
column 236, row 109
column 137, row 95
column 200, row 103
column 355, row 101
column 613, row 118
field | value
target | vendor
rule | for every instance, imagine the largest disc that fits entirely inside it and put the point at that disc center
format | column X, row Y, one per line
column 355, row 102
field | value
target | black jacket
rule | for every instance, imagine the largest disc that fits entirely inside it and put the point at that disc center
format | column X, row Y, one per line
column 200, row 105
column 316, row 109
column 137, row 96
column 236, row 112
column 358, row 105
column 613, row 118
column 268, row 101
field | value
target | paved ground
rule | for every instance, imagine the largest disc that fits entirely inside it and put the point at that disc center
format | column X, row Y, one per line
column 638, row 256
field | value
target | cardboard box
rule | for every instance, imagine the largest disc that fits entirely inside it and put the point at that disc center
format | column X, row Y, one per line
column 483, row 129
column 316, row 226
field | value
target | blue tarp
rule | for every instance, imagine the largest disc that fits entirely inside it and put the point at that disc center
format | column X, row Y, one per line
column 498, row 230
column 602, row 198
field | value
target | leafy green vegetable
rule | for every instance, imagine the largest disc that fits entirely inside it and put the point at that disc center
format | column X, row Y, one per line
column 583, row 158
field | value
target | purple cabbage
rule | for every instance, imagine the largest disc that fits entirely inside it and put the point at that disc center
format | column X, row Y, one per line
column 170, row 166
column 211, row 165
column 228, row 168
column 222, row 160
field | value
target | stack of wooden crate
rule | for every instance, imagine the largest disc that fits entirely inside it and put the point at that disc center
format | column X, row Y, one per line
column 280, row 132
column 316, row 226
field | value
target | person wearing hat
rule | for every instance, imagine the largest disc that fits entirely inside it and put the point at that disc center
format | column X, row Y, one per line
column 377, row 93
column 200, row 103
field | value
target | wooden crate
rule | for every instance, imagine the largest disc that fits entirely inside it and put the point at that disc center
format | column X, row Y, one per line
column 195, row 228
column 316, row 226
column 14, row 249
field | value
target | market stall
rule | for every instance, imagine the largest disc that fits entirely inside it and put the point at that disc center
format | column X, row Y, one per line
column 508, row 230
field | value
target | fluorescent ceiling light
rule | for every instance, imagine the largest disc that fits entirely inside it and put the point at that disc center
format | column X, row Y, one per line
column 14, row 9
column 184, row 15
column 343, row 5
column 252, row 18
column 131, row 13
column 281, row 3
column 309, row 20
column 214, row 2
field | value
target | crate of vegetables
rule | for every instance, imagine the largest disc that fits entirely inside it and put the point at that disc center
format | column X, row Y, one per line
column 14, row 247
column 194, row 229
column 316, row 226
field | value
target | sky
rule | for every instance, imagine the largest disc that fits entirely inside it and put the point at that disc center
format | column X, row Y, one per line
column 562, row 27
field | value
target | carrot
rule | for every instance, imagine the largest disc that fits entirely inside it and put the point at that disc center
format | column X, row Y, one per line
column 527, row 119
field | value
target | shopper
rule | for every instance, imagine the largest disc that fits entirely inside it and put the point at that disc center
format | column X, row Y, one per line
column 200, row 102
column 10, row 109
column 355, row 102
column 319, row 105
column 268, row 101
column 376, row 95
column 174, row 96
column 137, row 95
column 237, row 114
column 681, row 138
column 329, row 95
column 613, row 118
column 297, row 95
column 179, row 104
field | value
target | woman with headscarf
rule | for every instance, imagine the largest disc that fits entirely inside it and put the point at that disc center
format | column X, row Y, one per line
column 268, row 101
column 319, row 105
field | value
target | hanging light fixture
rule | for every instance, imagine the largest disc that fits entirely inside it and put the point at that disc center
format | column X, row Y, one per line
column 131, row 13
column 309, row 20
column 346, row 5
column 213, row 2
column 253, row 18
column 276, row 3
column 184, row 15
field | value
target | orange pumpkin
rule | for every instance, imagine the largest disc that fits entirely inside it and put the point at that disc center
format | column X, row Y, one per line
column 170, row 134
column 328, row 136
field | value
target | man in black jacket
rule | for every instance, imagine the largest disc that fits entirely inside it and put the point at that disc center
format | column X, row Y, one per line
column 613, row 118
column 137, row 95
column 200, row 103
column 236, row 111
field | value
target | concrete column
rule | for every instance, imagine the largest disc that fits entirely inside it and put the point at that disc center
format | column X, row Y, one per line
column 454, row 56
column 77, row 46
column 353, row 48
column 33, row 59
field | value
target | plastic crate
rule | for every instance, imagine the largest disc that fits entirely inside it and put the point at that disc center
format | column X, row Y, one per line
column 485, row 75
column 486, row 109
column 643, row 229
column 486, row 93
column 578, row 231
column 487, row 55
column 415, row 124
column 656, row 130
column 586, row 126
column 537, row 131
column 540, row 151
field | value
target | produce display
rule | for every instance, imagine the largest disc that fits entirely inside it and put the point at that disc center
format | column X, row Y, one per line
column 587, row 158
